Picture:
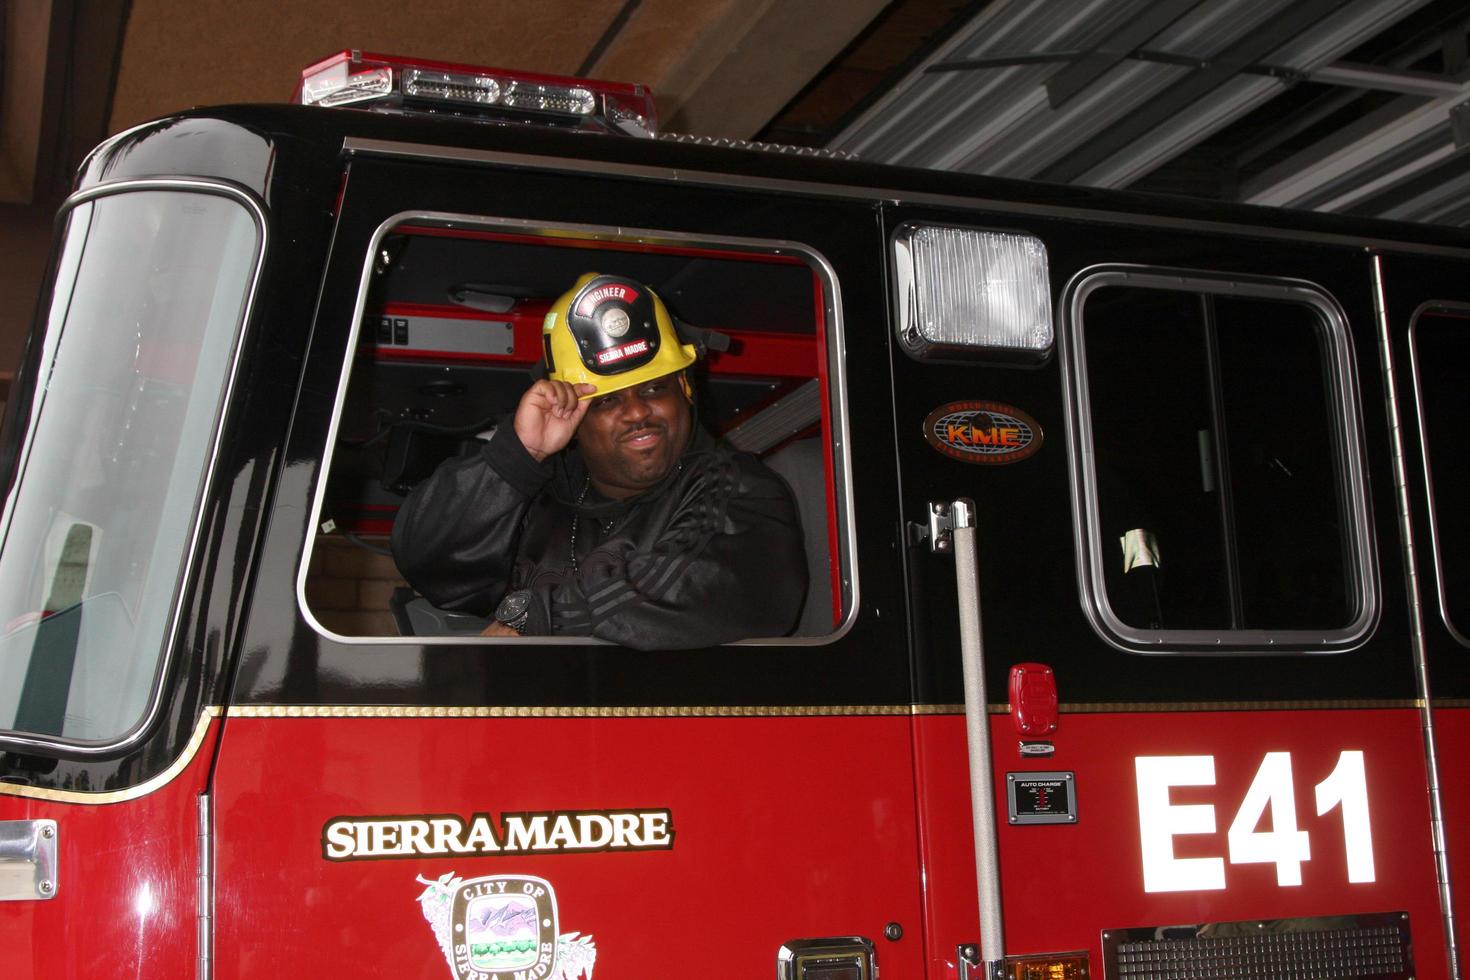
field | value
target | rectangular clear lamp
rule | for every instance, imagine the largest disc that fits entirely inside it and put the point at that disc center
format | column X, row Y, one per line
column 963, row 291
column 570, row 99
column 453, row 86
column 337, row 87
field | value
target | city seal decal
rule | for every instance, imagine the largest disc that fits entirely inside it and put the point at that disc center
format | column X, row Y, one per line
column 503, row 927
column 989, row 433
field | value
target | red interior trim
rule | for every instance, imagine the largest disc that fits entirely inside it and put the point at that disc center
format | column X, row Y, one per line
column 781, row 355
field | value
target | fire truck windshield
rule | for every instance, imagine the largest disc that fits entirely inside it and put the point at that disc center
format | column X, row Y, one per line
column 118, row 432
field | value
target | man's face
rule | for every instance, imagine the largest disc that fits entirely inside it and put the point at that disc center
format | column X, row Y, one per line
column 631, row 439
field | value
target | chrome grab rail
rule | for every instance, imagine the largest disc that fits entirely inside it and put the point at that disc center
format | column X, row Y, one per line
column 977, row 733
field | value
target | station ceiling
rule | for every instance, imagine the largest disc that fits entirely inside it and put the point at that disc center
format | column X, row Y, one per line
column 1353, row 106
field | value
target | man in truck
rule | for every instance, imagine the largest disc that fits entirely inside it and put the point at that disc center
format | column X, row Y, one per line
column 601, row 508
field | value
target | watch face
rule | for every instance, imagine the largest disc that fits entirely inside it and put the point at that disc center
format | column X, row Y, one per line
column 513, row 606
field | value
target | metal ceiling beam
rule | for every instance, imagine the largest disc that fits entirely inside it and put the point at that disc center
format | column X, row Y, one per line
column 614, row 28
column 1346, row 74
column 1405, row 163
column 1291, row 126
column 1250, row 49
column 1065, row 85
column 892, row 125
column 1437, row 194
column 1355, row 150
column 1398, row 80
column 1447, row 203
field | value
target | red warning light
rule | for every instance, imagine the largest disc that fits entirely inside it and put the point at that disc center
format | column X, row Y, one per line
column 1033, row 699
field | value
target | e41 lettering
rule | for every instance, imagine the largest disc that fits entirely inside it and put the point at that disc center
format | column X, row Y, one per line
column 1160, row 821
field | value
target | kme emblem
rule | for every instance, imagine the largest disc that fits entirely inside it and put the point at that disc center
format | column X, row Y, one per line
column 503, row 927
column 982, row 432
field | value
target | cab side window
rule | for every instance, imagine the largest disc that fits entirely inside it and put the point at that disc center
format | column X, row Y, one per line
column 450, row 337
column 1219, row 464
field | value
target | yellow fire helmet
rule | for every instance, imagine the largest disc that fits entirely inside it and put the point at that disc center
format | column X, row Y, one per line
column 611, row 332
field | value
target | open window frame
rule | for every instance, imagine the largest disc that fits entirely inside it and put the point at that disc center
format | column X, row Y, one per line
column 823, row 391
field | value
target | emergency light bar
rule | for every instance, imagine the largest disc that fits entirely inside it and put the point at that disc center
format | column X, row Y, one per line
column 374, row 81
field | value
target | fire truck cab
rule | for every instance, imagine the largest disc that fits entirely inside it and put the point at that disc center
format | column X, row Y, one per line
column 1134, row 644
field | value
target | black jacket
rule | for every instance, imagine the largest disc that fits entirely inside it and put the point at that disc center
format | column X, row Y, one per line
column 713, row 553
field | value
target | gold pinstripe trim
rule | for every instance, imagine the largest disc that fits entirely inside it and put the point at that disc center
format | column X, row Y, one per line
column 765, row 711
column 536, row 711
column 209, row 713
column 196, row 740
column 1450, row 702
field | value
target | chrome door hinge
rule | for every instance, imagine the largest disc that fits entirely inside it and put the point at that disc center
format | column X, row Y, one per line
column 967, row 958
column 941, row 527
column 28, row 870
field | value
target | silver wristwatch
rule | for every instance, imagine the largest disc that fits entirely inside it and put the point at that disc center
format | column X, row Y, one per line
column 515, row 610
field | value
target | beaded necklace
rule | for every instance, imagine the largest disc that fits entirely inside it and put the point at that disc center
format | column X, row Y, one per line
column 606, row 528
column 576, row 516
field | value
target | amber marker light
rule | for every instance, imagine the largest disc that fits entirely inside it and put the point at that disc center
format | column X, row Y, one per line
column 1048, row 966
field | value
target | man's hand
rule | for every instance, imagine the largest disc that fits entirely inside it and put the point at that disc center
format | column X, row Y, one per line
column 498, row 629
column 548, row 416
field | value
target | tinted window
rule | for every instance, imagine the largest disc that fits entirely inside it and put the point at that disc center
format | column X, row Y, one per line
column 1441, row 350
column 1220, row 496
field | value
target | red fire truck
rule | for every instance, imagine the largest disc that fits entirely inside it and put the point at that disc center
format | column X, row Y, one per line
column 1135, row 644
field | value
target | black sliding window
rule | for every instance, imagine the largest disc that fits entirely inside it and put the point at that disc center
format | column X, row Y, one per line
column 1218, row 464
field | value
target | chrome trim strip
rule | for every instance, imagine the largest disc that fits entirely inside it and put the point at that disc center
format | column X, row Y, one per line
column 837, row 380
column 1432, row 507
column 1416, row 619
column 717, row 178
column 204, row 888
column 257, row 209
column 1340, row 704
column 196, row 741
column 1348, row 437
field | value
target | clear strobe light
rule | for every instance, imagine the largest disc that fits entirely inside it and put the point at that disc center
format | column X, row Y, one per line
column 966, row 293
column 571, row 99
column 456, row 86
